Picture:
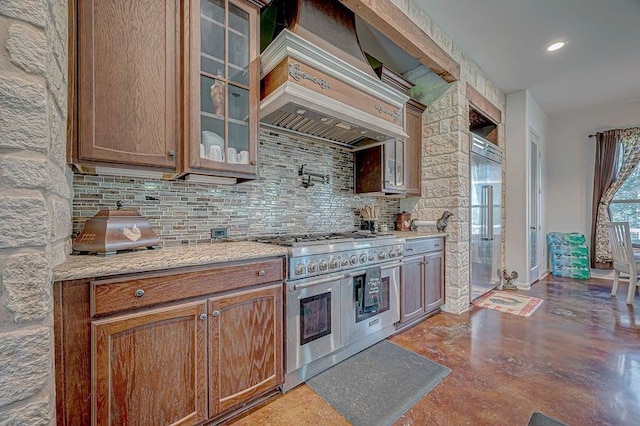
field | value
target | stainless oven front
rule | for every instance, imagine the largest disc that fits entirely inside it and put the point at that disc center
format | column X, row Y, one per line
column 313, row 319
column 359, row 322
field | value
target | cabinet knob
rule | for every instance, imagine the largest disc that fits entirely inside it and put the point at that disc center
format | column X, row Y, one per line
column 139, row 293
column 203, row 317
column 261, row 272
column 216, row 313
column 172, row 153
column 253, row 163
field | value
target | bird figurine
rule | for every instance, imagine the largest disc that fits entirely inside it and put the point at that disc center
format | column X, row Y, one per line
column 506, row 279
column 441, row 223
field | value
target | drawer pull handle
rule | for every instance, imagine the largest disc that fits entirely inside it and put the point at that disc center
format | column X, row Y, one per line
column 409, row 249
column 261, row 272
column 436, row 245
column 203, row 317
column 216, row 313
column 139, row 293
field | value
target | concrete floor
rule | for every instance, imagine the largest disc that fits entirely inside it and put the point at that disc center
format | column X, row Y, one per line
column 577, row 359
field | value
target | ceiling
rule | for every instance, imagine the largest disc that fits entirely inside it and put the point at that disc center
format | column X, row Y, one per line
column 507, row 39
column 599, row 66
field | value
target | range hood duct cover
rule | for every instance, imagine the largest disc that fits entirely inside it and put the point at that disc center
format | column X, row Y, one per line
column 317, row 82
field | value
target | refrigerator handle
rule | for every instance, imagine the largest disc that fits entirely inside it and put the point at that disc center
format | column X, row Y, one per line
column 484, row 228
column 490, row 215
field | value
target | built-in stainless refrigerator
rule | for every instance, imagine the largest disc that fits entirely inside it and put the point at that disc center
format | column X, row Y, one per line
column 485, row 214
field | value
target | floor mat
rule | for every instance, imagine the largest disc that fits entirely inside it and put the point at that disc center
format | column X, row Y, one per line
column 540, row 419
column 379, row 384
column 509, row 302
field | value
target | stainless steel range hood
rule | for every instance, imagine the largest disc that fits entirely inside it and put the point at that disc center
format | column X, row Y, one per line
column 316, row 82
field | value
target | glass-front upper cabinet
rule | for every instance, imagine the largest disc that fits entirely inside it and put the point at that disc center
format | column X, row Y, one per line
column 224, row 84
column 394, row 165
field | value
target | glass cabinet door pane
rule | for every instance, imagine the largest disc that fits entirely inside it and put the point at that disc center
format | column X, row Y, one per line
column 212, row 95
column 212, row 37
column 238, row 104
column 400, row 163
column 389, row 163
column 238, row 33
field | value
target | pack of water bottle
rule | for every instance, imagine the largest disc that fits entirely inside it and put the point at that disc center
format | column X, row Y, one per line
column 568, row 255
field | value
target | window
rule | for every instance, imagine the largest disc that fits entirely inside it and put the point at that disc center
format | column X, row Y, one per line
column 625, row 206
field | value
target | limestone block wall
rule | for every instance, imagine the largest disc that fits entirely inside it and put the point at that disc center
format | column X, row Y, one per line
column 35, row 201
column 445, row 156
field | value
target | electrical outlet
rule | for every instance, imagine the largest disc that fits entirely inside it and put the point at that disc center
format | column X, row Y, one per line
column 218, row 232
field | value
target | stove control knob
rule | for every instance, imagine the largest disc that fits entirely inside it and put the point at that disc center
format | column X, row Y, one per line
column 353, row 259
column 382, row 254
column 335, row 262
column 392, row 253
column 300, row 269
column 345, row 262
column 324, row 264
column 313, row 267
column 398, row 251
column 363, row 258
column 372, row 256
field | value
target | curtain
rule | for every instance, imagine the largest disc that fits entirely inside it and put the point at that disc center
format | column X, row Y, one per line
column 630, row 141
column 603, row 176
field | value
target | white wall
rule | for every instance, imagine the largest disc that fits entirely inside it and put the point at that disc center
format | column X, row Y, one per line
column 570, row 162
column 523, row 115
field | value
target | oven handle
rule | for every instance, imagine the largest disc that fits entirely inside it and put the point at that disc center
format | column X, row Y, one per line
column 313, row 283
column 360, row 271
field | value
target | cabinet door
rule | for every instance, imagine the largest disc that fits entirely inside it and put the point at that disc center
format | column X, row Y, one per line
column 245, row 346
column 128, row 82
column 413, row 148
column 433, row 280
column 149, row 368
column 411, row 288
column 224, row 83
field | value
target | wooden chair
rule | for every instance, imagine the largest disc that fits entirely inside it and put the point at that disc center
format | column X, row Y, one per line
column 624, row 260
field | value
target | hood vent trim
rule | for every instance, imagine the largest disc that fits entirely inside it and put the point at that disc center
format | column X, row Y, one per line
column 309, row 91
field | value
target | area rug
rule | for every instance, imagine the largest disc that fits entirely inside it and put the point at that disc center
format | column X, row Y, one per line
column 379, row 384
column 540, row 419
column 511, row 303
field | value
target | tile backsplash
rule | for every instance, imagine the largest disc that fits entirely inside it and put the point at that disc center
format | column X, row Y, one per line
column 276, row 203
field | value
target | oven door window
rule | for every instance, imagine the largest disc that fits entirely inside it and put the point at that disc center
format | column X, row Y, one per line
column 315, row 317
column 363, row 312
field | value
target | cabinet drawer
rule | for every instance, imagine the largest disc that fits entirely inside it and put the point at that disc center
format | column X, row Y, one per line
column 119, row 294
column 423, row 246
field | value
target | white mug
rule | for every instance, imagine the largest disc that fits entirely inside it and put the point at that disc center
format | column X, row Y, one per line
column 215, row 153
column 243, row 157
column 232, row 155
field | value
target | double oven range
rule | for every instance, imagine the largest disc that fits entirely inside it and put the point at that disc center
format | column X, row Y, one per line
column 341, row 297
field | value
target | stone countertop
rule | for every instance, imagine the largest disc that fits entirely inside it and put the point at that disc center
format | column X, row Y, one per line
column 92, row 265
column 408, row 235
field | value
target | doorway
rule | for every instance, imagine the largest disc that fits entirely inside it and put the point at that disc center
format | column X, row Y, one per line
column 535, row 190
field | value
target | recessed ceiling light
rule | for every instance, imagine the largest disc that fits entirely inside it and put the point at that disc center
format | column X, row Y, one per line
column 556, row 46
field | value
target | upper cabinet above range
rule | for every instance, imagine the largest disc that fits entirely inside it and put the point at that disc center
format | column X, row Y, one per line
column 166, row 86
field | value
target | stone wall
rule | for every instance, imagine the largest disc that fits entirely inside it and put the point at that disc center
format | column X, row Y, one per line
column 35, row 206
column 276, row 203
column 445, row 156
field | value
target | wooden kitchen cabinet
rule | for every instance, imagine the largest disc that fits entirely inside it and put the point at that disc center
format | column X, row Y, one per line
column 128, row 84
column 223, row 83
column 166, row 86
column 150, row 367
column 413, row 147
column 421, row 280
column 380, row 169
column 245, row 338
column 169, row 347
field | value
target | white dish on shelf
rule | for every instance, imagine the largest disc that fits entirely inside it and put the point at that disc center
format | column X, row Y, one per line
column 243, row 157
